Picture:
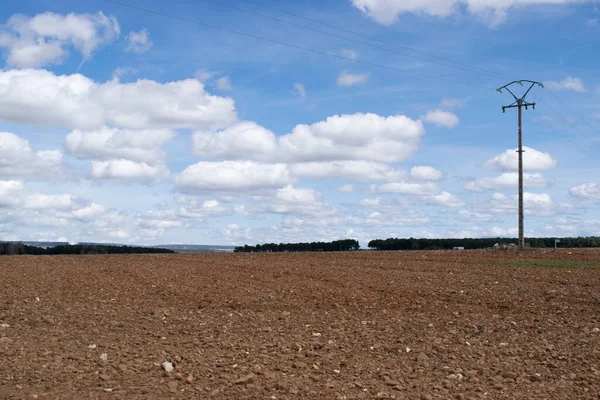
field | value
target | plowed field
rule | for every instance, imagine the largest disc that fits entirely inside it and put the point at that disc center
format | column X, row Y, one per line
column 362, row 325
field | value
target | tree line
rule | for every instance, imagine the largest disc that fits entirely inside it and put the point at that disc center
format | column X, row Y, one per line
column 16, row 248
column 483, row 243
column 337, row 245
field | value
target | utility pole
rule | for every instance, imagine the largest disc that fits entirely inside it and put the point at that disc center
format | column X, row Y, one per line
column 519, row 103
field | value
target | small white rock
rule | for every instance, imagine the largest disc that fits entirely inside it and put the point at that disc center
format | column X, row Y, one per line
column 408, row 349
column 92, row 346
column 167, row 366
column 596, row 330
column 104, row 357
column 337, row 371
column 4, row 326
column 317, row 334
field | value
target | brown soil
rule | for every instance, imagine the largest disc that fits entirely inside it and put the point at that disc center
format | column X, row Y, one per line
column 404, row 325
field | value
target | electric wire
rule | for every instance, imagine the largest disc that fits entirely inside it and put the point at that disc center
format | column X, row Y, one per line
column 341, row 57
column 449, row 63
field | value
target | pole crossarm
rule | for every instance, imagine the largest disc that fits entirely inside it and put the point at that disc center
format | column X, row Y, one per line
column 519, row 103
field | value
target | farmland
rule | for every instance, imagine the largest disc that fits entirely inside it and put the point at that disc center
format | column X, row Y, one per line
column 352, row 325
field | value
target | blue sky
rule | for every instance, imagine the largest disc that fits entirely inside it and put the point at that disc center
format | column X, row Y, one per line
column 119, row 125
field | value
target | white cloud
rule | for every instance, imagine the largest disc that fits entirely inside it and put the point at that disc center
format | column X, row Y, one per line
column 224, row 83
column 442, row 118
column 587, row 191
column 349, row 53
column 45, row 38
column 129, row 171
column 192, row 207
column 346, row 188
column 233, row 233
column 353, row 137
column 492, row 11
column 533, row 160
column 341, row 137
column 40, row 97
column 114, row 143
column 138, row 42
column 122, row 155
column 10, row 193
column 244, row 140
column 505, row 181
column 569, row 83
column 300, row 89
column 426, row 173
column 232, row 176
column 296, row 201
column 18, row 160
column 534, row 204
column 452, row 103
column 444, row 199
column 471, row 216
column 203, row 75
column 347, row 79
column 411, row 189
column 353, row 170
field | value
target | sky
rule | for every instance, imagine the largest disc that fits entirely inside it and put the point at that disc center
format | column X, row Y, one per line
column 243, row 122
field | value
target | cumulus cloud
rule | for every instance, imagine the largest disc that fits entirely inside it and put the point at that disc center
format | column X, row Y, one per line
column 533, row 160
column 587, row 191
column 445, row 199
column 39, row 97
column 123, row 155
column 138, row 42
column 296, row 201
column 300, row 89
column 452, row 103
column 233, row 176
column 569, row 83
column 492, row 11
column 127, row 170
column 349, row 53
column 114, row 143
column 353, row 170
column 346, row 188
column 19, row 161
column 341, row 137
column 224, row 83
column 442, row 118
column 46, row 38
column 505, row 181
column 534, row 204
column 65, row 206
column 244, row 140
column 347, row 79
column 410, row 188
column 425, row 173
column 233, row 233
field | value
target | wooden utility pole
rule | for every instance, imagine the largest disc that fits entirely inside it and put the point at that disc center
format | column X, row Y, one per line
column 519, row 103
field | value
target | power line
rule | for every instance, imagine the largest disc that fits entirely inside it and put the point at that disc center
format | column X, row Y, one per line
column 456, row 65
column 574, row 113
column 313, row 50
column 562, row 117
column 449, row 63
column 289, row 44
column 376, row 39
